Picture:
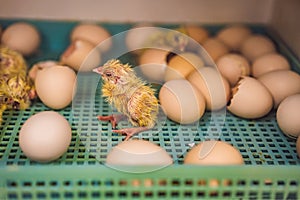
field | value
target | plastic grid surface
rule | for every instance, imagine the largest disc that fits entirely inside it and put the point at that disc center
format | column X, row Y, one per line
column 271, row 171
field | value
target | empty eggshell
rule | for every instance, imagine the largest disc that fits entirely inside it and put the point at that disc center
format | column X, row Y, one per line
column 257, row 45
column 55, row 86
column 138, row 153
column 153, row 63
column 215, row 48
column 269, row 62
column 180, row 66
column 281, row 84
column 181, row 102
column 81, row 55
column 233, row 66
column 22, row 37
column 288, row 116
column 233, row 36
column 250, row 99
column 45, row 136
column 40, row 66
column 212, row 85
column 214, row 153
column 93, row 33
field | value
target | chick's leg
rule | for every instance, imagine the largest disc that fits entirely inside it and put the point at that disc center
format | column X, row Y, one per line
column 113, row 119
column 129, row 132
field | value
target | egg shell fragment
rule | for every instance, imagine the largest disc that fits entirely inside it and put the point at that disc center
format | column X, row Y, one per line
column 181, row 101
column 288, row 116
column 269, row 62
column 250, row 99
column 214, row 153
column 56, row 86
column 281, row 84
column 22, row 37
column 45, row 136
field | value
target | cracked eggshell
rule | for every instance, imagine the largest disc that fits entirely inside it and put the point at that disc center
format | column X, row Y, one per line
column 233, row 36
column 233, row 66
column 257, row 45
column 250, row 99
column 181, row 101
column 269, row 62
column 22, row 37
column 81, row 55
column 37, row 67
column 288, row 116
column 214, row 87
column 281, row 84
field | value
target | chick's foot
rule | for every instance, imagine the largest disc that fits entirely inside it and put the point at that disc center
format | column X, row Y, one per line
column 113, row 119
column 129, row 132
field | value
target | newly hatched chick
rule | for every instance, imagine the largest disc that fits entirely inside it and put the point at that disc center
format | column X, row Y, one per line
column 16, row 88
column 130, row 95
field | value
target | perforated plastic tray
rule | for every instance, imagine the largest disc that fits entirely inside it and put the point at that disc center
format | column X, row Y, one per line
column 271, row 168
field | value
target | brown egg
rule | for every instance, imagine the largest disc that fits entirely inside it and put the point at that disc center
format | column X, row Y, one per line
column 180, row 66
column 257, row 45
column 233, row 36
column 250, row 99
column 214, row 153
column 215, row 48
column 181, row 101
column 288, row 116
column 153, row 63
column 233, row 66
column 0, row 32
column 22, row 37
column 269, row 62
column 93, row 33
column 281, row 84
column 197, row 33
column 81, row 55
column 298, row 146
column 212, row 85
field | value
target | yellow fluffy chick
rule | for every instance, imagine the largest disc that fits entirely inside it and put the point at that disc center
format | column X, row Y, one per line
column 16, row 89
column 130, row 95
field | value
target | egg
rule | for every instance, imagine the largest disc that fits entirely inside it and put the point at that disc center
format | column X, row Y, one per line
column 55, row 86
column 298, row 146
column 269, row 62
column 233, row 66
column 0, row 32
column 138, row 153
column 22, row 37
column 281, row 84
column 40, row 66
column 93, row 33
column 257, row 45
column 212, row 85
column 250, row 99
column 181, row 65
column 81, row 56
column 45, row 136
column 213, row 153
column 153, row 63
column 181, row 101
column 215, row 48
column 234, row 35
column 197, row 33
column 288, row 116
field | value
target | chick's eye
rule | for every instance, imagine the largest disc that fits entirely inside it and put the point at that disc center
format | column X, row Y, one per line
column 108, row 74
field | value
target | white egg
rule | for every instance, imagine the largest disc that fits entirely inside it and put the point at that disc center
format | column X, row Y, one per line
column 45, row 136
column 56, row 86
column 288, row 116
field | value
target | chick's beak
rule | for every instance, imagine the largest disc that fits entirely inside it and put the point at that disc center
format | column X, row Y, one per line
column 98, row 70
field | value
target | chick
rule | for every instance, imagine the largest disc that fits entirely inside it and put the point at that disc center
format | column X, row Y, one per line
column 130, row 95
column 16, row 88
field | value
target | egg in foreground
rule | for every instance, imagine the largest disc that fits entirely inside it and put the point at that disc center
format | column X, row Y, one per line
column 45, row 136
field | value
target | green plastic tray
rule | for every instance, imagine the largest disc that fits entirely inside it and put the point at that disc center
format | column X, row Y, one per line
column 271, row 168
